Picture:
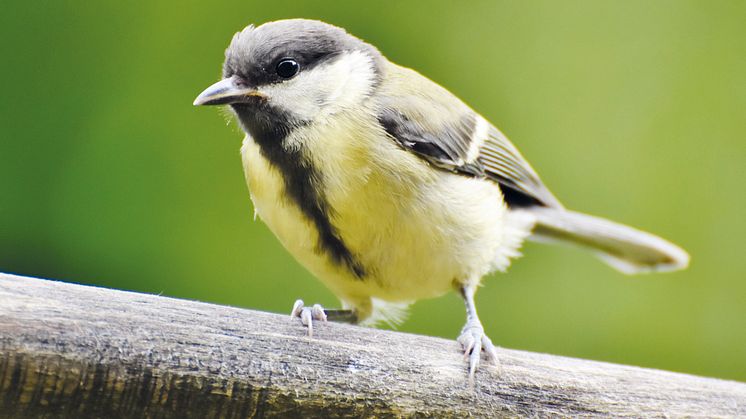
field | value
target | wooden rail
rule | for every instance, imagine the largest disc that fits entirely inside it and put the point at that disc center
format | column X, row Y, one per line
column 82, row 352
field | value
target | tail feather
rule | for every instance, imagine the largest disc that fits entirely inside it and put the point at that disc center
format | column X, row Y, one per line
column 624, row 248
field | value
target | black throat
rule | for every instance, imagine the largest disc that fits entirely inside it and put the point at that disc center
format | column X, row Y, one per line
column 303, row 182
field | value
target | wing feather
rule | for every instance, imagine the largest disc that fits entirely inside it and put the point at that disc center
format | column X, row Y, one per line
column 503, row 161
column 434, row 124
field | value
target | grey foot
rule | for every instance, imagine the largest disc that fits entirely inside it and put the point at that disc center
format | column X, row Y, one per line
column 473, row 341
column 308, row 314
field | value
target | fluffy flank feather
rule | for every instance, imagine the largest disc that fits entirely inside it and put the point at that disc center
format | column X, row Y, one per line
column 517, row 227
column 390, row 313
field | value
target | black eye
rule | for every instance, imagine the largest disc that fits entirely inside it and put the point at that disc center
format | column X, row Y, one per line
column 287, row 68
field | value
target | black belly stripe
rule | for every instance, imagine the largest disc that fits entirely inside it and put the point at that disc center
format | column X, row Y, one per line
column 302, row 184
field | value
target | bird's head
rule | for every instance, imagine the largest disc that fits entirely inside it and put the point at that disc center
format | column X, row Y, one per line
column 293, row 72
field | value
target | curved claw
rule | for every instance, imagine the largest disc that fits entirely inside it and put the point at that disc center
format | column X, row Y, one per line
column 476, row 352
column 297, row 307
column 490, row 350
column 474, row 341
column 308, row 314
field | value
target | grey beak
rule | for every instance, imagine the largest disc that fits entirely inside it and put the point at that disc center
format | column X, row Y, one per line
column 225, row 92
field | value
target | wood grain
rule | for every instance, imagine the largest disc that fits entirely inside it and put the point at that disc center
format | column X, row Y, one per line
column 82, row 352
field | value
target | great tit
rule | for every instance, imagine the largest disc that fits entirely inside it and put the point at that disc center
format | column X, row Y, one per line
column 385, row 185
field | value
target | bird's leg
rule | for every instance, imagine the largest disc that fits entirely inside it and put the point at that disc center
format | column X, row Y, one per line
column 472, row 338
column 308, row 314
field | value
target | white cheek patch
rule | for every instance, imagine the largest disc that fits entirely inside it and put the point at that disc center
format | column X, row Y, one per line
column 326, row 89
column 354, row 76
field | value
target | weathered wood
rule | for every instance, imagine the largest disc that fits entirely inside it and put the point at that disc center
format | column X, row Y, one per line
column 76, row 351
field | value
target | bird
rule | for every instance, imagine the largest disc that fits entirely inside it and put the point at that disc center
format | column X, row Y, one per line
column 386, row 186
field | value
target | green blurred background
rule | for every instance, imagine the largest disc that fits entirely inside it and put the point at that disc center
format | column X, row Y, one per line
column 631, row 110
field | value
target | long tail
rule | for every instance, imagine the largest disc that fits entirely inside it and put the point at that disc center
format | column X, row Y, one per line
column 626, row 249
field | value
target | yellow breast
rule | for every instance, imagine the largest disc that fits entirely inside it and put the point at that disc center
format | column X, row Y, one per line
column 416, row 231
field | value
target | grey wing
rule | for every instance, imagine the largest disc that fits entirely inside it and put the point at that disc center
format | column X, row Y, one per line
column 464, row 142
